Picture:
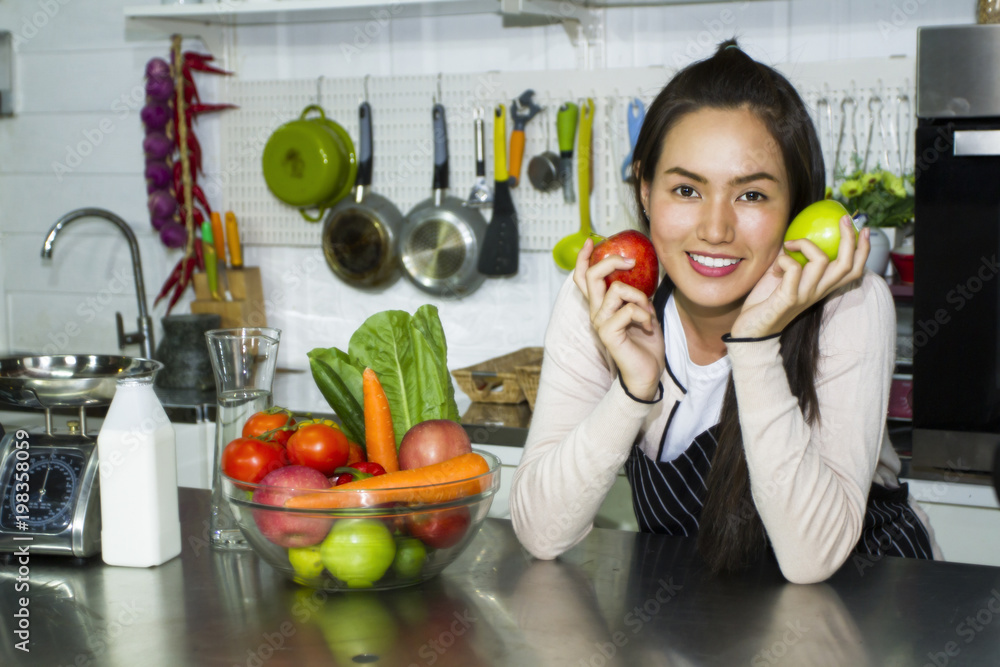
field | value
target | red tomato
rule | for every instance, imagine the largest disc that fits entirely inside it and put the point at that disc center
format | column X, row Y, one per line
column 441, row 529
column 370, row 468
column 318, row 446
column 356, row 454
column 265, row 426
column 249, row 459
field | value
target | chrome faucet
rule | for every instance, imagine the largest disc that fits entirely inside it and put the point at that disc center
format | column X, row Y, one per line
column 144, row 336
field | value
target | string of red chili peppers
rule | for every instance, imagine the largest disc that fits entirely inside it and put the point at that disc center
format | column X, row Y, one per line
column 171, row 96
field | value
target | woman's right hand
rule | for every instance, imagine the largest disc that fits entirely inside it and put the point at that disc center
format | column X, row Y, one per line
column 625, row 321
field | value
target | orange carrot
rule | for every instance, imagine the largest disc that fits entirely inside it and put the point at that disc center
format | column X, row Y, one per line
column 435, row 483
column 380, row 439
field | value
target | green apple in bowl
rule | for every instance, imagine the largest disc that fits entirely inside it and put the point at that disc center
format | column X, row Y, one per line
column 306, row 561
column 820, row 223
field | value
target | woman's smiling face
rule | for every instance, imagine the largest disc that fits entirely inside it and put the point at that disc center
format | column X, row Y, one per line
column 718, row 206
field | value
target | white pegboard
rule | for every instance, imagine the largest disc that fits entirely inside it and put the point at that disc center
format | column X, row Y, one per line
column 872, row 127
column 402, row 133
column 866, row 98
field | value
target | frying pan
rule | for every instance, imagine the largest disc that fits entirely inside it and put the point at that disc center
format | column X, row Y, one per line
column 360, row 232
column 441, row 236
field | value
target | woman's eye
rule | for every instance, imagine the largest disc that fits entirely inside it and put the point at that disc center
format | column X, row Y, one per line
column 685, row 191
column 754, row 196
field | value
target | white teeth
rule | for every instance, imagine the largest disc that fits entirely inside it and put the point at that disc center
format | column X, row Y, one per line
column 714, row 262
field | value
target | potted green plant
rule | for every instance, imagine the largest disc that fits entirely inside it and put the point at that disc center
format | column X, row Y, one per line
column 884, row 199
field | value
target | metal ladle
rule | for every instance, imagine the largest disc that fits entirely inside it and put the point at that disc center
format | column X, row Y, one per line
column 481, row 194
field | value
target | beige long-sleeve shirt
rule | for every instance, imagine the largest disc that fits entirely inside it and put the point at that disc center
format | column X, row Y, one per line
column 809, row 482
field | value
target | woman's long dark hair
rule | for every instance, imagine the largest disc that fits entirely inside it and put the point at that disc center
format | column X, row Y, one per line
column 731, row 535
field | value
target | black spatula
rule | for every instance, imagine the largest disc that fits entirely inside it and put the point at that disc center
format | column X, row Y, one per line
column 499, row 254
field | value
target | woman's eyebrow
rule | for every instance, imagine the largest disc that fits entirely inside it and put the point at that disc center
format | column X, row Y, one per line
column 681, row 171
column 749, row 178
column 739, row 180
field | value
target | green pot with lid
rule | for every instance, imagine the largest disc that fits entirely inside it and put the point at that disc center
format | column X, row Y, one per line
column 310, row 163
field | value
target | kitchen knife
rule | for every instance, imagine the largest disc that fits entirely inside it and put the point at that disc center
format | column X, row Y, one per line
column 211, row 263
column 233, row 241
column 566, row 121
column 218, row 238
column 219, row 241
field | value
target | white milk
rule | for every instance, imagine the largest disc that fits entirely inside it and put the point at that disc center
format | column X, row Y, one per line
column 140, row 526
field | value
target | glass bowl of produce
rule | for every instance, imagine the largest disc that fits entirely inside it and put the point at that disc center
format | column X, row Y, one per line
column 346, row 538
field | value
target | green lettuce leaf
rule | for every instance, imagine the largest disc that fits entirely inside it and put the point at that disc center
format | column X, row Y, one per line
column 349, row 371
column 409, row 355
column 340, row 398
column 426, row 321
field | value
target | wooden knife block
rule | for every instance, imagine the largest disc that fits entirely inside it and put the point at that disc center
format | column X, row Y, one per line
column 247, row 307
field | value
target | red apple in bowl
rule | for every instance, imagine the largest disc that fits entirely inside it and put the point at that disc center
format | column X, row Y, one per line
column 630, row 244
column 441, row 529
column 820, row 223
column 432, row 441
column 284, row 528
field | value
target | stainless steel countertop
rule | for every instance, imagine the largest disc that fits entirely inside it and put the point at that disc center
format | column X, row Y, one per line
column 618, row 598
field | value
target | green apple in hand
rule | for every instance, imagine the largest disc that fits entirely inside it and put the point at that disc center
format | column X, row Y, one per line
column 820, row 223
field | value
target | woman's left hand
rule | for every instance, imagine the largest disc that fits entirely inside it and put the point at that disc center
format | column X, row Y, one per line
column 788, row 288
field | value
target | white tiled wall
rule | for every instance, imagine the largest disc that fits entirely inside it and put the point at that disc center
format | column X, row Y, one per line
column 78, row 80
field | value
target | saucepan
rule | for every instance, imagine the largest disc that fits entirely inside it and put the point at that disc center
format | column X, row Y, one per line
column 310, row 163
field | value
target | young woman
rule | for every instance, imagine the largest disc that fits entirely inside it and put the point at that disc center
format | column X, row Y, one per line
column 747, row 399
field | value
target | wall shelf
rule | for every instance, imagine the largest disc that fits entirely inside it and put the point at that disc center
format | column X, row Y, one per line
column 275, row 12
column 210, row 21
column 269, row 12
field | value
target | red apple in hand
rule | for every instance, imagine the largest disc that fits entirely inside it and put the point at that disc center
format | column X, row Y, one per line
column 630, row 244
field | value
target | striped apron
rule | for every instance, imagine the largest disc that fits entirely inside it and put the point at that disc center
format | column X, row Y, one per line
column 668, row 497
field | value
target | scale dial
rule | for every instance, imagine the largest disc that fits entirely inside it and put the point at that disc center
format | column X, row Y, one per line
column 53, row 483
column 48, row 494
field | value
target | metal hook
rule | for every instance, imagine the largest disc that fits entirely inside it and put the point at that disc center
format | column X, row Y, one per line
column 903, row 100
column 843, row 122
column 364, row 85
column 883, row 134
column 439, row 99
column 872, row 102
column 822, row 104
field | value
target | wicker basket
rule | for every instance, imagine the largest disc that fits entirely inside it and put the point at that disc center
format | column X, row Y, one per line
column 486, row 415
column 496, row 380
column 527, row 377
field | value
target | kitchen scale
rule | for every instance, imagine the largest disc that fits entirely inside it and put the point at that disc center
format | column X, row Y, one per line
column 48, row 479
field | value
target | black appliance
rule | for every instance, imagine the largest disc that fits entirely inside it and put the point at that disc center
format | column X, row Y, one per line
column 956, row 316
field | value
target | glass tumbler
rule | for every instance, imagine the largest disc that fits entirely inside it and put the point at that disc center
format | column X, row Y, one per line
column 244, row 361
